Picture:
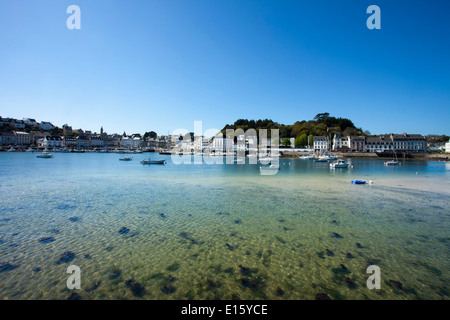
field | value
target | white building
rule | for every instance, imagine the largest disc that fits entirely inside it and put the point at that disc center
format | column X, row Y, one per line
column 409, row 142
column 447, row 147
column 340, row 142
column 46, row 126
column 30, row 122
column 97, row 142
column 19, row 124
column 221, row 144
column 52, row 142
column 131, row 143
column 320, row 143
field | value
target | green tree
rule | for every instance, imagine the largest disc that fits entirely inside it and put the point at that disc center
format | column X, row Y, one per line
column 301, row 140
column 286, row 142
column 151, row 134
column 311, row 140
column 322, row 116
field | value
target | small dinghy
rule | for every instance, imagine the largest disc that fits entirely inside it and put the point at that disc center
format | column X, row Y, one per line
column 358, row 181
column 149, row 161
column 125, row 159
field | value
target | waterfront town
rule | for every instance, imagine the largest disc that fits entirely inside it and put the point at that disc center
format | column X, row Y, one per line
column 29, row 135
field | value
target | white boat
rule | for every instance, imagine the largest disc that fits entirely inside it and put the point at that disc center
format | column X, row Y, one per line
column 266, row 160
column 272, row 167
column 339, row 164
column 44, row 155
column 29, row 150
column 322, row 159
column 307, row 157
column 392, row 163
column 11, row 149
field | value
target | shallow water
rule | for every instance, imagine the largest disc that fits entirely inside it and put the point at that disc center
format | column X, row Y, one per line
column 192, row 226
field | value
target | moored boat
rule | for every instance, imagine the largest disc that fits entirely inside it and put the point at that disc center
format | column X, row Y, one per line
column 307, row 157
column 392, row 163
column 150, row 161
column 339, row 164
column 272, row 167
column 44, row 155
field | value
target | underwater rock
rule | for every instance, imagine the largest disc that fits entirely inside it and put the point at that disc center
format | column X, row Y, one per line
column 247, row 271
column 237, row 221
column 132, row 234
column 280, row 239
column 396, row 284
column 173, row 267
column 343, row 267
column 349, row 255
column 114, row 273
column 36, row 269
column 329, row 252
column 66, row 257
column 74, row 296
column 93, row 286
column 87, row 256
column 350, row 283
column 124, row 230
column 211, row 285
column 279, row 292
column 75, row 219
column 162, row 215
column 6, row 266
column 253, row 284
column 336, row 235
column 359, row 245
column 322, row 296
column 187, row 237
column 168, row 289
column 46, row 239
column 334, row 221
column 136, row 288
column 229, row 246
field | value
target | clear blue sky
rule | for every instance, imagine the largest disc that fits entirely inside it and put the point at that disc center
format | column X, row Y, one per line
column 137, row 66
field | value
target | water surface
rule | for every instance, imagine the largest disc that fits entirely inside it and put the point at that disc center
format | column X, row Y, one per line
column 222, row 231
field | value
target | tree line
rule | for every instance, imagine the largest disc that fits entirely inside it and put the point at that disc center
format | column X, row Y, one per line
column 303, row 131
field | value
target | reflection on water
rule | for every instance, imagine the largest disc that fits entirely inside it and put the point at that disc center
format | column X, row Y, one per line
column 219, row 231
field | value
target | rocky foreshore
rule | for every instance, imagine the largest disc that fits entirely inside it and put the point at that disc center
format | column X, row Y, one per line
column 373, row 155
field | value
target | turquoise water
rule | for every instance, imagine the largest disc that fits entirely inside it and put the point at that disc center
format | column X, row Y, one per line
column 221, row 231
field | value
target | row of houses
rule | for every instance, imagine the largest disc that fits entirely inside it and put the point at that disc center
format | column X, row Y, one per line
column 82, row 141
column 412, row 143
column 11, row 123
